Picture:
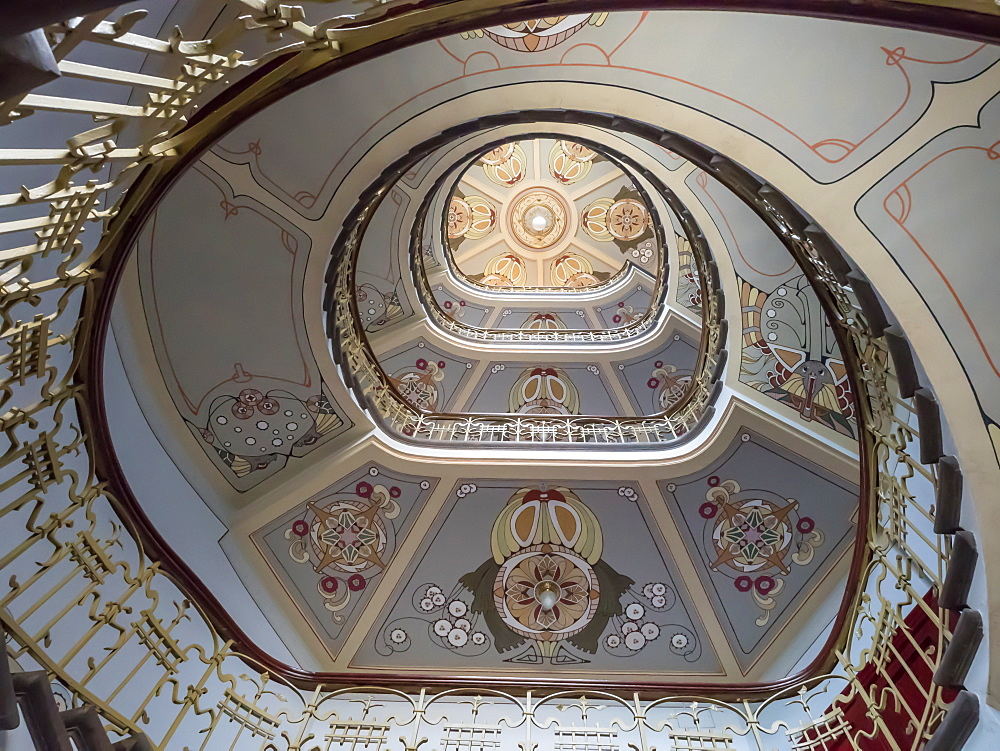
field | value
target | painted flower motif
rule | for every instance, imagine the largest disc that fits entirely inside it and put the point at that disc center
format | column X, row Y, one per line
column 743, row 583
column 300, row 527
column 764, row 584
column 805, row 525
column 438, row 599
column 251, row 397
column 629, row 626
column 658, row 601
column 242, row 411
column 573, row 587
column 363, row 489
column 356, row 582
column 329, row 584
column 349, row 536
column 457, row 608
column 442, row 627
column 708, row 510
column 398, row 636
column 426, row 605
column 635, row 611
column 613, row 641
column 479, row 638
column 635, row 641
column 268, row 406
column 650, row 631
column 679, row 641
column 463, row 624
column 457, row 637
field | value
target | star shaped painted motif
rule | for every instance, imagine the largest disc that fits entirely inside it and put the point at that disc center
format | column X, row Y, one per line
column 750, row 535
column 346, row 536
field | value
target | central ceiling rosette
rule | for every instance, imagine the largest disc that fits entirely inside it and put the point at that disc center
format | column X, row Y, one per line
column 547, row 213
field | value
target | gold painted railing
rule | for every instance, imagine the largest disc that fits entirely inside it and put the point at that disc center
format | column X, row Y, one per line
column 83, row 601
column 362, row 371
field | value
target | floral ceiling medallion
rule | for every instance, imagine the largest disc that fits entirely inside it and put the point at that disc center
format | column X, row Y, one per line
column 538, row 218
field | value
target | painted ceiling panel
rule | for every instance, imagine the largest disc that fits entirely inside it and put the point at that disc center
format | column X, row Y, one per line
column 632, row 305
column 789, row 351
column 865, row 86
column 949, row 187
column 622, row 609
column 426, row 376
column 765, row 526
column 523, row 386
column 251, row 407
column 656, row 381
column 330, row 552
column 382, row 300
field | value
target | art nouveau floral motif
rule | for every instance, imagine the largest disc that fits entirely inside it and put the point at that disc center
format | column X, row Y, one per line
column 346, row 539
column 754, row 538
column 537, row 34
column 789, row 354
column 420, row 384
column 251, row 429
column 546, row 592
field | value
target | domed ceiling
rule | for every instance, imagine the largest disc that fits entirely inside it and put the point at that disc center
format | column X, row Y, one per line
column 547, row 213
column 720, row 556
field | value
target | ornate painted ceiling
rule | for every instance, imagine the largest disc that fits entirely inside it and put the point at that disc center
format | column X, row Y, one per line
column 547, row 213
column 721, row 558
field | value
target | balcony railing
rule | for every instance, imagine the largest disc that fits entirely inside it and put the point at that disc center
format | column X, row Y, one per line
column 93, row 596
column 374, row 389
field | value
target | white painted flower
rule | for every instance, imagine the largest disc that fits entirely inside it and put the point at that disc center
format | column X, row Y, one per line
column 479, row 638
column 457, row 637
column 438, row 599
column 650, row 631
column 398, row 636
column 659, row 588
column 442, row 627
column 457, row 608
column 635, row 641
column 433, row 590
column 648, row 590
column 659, row 601
column 629, row 626
column 463, row 623
column 612, row 641
column 635, row 611
column 426, row 605
column 679, row 641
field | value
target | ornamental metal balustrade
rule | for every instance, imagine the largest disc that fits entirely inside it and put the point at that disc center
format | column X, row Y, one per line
column 374, row 389
column 93, row 597
column 421, row 237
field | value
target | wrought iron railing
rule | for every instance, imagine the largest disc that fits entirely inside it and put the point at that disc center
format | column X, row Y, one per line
column 376, row 391
column 94, row 597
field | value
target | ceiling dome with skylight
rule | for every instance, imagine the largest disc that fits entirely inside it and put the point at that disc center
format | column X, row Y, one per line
column 547, row 213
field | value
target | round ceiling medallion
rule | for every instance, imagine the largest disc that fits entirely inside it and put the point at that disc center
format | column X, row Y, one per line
column 627, row 219
column 546, row 592
column 538, row 219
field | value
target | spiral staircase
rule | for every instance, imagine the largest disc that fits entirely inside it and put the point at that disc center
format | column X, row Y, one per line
column 487, row 375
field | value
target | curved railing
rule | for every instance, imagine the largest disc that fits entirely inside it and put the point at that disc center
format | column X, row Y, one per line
column 647, row 322
column 95, row 597
column 363, row 373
